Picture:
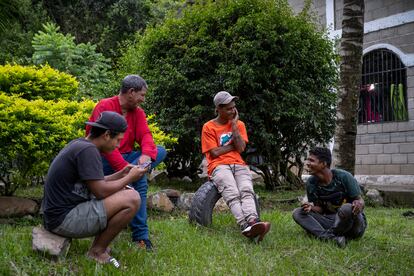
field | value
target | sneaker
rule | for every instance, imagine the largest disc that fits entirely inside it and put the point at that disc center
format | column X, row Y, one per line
column 247, row 227
column 264, row 232
column 255, row 228
column 145, row 244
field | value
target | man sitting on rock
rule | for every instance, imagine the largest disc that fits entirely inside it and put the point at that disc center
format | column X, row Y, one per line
column 334, row 210
column 222, row 140
column 79, row 201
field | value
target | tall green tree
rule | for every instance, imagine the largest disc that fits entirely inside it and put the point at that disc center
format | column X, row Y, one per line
column 350, row 81
column 282, row 68
column 104, row 23
column 19, row 21
column 81, row 60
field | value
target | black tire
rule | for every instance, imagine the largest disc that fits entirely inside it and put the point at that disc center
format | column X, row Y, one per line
column 204, row 200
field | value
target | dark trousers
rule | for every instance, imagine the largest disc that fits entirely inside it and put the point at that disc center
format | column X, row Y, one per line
column 328, row 226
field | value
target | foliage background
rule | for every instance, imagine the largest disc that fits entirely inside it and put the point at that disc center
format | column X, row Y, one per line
column 280, row 65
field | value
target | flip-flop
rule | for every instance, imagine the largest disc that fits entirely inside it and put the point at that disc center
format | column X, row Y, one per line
column 114, row 262
column 110, row 260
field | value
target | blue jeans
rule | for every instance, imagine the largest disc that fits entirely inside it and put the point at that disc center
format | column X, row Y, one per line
column 138, row 224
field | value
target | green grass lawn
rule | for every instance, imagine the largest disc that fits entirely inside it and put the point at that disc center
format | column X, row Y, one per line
column 184, row 249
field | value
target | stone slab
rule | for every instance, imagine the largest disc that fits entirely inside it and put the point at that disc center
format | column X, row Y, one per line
column 53, row 245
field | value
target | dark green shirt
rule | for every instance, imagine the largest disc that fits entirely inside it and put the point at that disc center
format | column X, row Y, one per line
column 342, row 189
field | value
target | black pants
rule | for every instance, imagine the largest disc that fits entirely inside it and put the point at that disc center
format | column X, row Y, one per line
column 328, row 226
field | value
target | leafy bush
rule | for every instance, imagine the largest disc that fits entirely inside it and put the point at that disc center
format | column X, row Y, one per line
column 33, row 132
column 282, row 68
column 160, row 137
column 81, row 60
column 31, row 82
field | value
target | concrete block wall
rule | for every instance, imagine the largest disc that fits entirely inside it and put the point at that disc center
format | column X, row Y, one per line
column 383, row 148
column 375, row 9
column 388, row 148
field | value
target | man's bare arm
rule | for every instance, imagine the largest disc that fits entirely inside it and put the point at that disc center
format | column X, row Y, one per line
column 104, row 188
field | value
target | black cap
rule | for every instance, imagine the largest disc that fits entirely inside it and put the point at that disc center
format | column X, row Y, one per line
column 110, row 120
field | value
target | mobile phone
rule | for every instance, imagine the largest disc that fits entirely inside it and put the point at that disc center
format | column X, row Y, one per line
column 144, row 165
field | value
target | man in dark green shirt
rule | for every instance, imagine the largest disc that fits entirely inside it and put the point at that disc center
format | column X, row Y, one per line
column 334, row 209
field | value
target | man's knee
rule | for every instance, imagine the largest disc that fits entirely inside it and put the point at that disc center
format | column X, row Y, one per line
column 247, row 191
column 132, row 199
column 345, row 211
column 161, row 154
column 297, row 214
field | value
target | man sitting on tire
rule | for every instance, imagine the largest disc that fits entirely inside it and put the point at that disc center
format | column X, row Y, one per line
column 222, row 141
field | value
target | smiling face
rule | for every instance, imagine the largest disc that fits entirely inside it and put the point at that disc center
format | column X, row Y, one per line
column 314, row 165
column 136, row 97
column 227, row 111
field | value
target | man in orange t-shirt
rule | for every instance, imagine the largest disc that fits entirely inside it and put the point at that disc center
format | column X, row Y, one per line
column 222, row 141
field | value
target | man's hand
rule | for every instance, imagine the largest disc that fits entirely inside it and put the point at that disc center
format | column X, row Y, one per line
column 143, row 159
column 307, row 206
column 137, row 172
column 126, row 170
column 236, row 116
column 357, row 206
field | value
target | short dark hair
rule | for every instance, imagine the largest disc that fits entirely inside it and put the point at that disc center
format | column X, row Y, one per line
column 323, row 154
column 97, row 131
column 133, row 81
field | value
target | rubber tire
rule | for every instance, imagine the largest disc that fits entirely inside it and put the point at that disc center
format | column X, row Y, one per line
column 204, row 200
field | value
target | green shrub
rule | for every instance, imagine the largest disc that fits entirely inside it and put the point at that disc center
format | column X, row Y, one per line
column 81, row 60
column 31, row 82
column 280, row 65
column 33, row 132
column 160, row 137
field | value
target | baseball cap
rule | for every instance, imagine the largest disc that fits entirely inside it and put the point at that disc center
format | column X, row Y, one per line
column 223, row 97
column 110, row 120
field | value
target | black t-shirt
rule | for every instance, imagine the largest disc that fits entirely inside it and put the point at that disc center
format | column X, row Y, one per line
column 342, row 189
column 64, row 188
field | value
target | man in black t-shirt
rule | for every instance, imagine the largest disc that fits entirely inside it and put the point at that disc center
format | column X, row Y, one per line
column 334, row 210
column 79, row 201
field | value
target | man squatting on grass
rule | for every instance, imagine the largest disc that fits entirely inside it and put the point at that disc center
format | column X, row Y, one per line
column 222, row 141
column 127, row 103
column 79, row 201
column 334, row 210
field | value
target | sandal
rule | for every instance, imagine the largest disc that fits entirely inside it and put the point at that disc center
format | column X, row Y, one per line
column 114, row 262
column 110, row 260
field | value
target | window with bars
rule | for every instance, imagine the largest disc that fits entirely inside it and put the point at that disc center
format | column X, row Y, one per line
column 383, row 93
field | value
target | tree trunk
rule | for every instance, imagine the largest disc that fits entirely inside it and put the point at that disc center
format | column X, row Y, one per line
column 350, row 80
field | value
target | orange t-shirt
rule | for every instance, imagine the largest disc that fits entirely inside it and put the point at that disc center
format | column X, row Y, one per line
column 215, row 135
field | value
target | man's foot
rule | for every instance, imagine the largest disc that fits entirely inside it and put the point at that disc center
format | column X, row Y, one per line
column 145, row 244
column 103, row 258
column 340, row 241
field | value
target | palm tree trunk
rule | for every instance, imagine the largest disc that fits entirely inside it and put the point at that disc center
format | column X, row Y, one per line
column 350, row 80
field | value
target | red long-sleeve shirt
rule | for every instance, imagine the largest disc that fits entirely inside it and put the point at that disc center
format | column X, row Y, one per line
column 137, row 131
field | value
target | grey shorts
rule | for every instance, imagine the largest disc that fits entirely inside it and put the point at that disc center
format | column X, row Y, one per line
column 85, row 220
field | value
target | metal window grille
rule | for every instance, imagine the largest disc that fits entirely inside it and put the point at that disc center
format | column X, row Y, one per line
column 383, row 93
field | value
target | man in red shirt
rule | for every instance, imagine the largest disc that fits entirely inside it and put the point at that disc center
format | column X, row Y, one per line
column 126, row 103
column 222, row 141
